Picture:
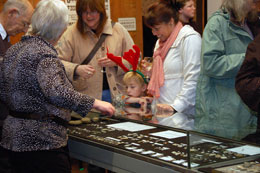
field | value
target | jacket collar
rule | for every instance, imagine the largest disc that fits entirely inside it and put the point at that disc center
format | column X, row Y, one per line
column 108, row 27
column 186, row 30
column 233, row 27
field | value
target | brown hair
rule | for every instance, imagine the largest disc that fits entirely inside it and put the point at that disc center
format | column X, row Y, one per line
column 94, row 5
column 181, row 3
column 177, row 4
column 160, row 12
column 237, row 9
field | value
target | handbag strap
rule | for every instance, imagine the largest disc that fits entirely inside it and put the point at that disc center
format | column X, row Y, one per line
column 96, row 47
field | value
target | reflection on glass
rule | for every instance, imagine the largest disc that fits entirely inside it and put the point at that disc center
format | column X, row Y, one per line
column 146, row 66
column 133, row 110
column 147, row 111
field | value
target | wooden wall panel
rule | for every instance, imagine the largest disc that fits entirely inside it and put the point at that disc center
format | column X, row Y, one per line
column 2, row 4
column 145, row 4
column 129, row 8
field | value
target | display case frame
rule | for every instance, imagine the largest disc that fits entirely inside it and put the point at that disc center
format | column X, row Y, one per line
column 117, row 158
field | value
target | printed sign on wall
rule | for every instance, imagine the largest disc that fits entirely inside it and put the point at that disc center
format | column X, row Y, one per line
column 107, row 4
column 71, row 4
column 128, row 22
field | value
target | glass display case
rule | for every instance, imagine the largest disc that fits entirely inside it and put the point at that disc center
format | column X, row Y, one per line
column 130, row 145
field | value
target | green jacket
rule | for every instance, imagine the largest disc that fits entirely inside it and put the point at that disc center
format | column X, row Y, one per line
column 219, row 109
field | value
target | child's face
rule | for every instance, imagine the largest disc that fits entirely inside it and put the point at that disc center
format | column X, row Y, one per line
column 135, row 89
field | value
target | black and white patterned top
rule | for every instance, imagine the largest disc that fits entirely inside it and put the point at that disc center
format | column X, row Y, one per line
column 34, row 80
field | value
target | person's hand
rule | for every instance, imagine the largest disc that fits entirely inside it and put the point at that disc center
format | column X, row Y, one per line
column 145, row 100
column 154, row 120
column 104, row 107
column 164, row 107
column 133, row 116
column 164, row 110
column 85, row 71
column 138, row 113
column 105, row 62
column 146, row 68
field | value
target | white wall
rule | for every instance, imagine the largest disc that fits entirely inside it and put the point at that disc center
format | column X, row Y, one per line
column 212, row 6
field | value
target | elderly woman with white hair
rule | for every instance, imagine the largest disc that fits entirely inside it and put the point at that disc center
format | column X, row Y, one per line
column 35, row 87
column 219, row 109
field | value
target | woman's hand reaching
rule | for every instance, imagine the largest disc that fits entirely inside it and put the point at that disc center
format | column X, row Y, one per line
column 104, row 107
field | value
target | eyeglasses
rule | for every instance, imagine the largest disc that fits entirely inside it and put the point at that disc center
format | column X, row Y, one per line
column 92, row 13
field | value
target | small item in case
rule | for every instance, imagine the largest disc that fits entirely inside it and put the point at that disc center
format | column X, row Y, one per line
column 75, row 122
column 86, row 120
column 95, row 119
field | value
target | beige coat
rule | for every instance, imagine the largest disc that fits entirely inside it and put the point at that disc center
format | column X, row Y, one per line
column 73, row 48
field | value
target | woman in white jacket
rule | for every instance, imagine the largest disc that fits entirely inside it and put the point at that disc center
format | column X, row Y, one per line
column 176, row 65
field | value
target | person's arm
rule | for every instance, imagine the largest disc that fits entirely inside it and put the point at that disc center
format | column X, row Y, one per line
column 248, row 77
column 132, row 99
column 191, row 50
column 58, row 90
column 215, row 62
column 65, row 49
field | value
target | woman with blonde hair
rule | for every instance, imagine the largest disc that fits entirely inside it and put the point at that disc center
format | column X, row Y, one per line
column 219, row 109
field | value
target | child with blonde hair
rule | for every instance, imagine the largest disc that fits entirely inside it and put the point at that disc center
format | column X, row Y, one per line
column 135, row 104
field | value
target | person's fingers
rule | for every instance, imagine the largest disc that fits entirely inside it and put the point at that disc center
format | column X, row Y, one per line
column 111, row 112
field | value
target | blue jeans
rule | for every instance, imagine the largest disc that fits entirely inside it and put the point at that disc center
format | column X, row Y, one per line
column 106, row 96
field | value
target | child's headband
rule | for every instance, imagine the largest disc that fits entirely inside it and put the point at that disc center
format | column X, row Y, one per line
column 141, row 74
column 130, row 56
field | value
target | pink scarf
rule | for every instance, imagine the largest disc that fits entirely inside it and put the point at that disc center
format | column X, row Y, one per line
column 157, row 78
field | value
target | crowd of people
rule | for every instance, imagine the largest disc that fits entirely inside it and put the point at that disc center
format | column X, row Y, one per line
column 209, row 84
